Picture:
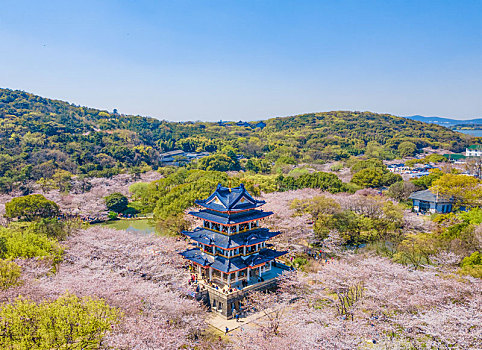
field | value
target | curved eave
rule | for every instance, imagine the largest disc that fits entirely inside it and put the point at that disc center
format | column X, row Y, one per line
column 224, row 210
column 214, row 239
column 238, row 264
column 228, row 221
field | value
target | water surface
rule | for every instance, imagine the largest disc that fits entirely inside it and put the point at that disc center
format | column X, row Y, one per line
column 145, row 226
column 477, row 133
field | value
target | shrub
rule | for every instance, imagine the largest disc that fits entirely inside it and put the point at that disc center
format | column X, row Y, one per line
column 336, row 167
column 474, row 259
column 472, row 265
column 26, row 243
column 9, row 274
column 130, row 210
column 54, row 228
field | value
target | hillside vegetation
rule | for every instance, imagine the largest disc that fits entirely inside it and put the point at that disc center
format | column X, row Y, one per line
column 40, row 137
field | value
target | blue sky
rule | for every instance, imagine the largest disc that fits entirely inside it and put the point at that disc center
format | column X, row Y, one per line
column 230, row 60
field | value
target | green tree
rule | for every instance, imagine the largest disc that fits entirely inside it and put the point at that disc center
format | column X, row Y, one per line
column 62, row 180
column 416, row 250
column 258, row 165
column 116, row 202
column 358, row 165
column 369, row 177
column 426, row 181
column 407, row 149
column 66, row 323
column 463, row 189
column 217, row 162
column 316, row 206
column 139, row 190
column 374, row 150
column 401, row 190
column 31, row 207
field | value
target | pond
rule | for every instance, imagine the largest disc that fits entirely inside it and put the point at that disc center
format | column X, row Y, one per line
column 136, row 226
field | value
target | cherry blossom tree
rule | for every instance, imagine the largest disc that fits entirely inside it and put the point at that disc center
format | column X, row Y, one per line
column 397, row 308
column 142, row 275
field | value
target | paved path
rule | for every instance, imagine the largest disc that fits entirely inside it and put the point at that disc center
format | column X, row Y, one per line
column 220, row 323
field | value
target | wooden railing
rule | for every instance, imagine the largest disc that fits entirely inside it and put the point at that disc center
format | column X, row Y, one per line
column 235, row 293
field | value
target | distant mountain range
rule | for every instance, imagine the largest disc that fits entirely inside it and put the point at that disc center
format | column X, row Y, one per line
column 444, row 121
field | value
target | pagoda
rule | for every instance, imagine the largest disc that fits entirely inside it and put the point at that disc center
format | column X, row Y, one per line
column 231, row 255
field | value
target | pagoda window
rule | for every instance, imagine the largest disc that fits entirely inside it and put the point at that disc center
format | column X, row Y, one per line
column 215, row 226
column 216, row 274
column 207, row 224
column 243, row 227
column 224, row 229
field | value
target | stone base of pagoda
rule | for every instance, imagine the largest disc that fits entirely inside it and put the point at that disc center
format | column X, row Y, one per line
column 225, row 301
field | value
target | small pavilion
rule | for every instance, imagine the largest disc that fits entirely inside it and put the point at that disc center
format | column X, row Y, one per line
column 427, row 202
column 231, row 254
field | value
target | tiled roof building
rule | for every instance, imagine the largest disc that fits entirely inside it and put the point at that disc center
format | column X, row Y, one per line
column 427, row 202
column 231, row 253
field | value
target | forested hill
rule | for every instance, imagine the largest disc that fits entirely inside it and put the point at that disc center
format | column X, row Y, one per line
column 367, row 126
column 40, row 136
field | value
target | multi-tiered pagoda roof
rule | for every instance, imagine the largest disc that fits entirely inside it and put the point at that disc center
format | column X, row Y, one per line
column 226, row 199
column 231, row 244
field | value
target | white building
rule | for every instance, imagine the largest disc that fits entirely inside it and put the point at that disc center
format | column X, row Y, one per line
column 474, row 151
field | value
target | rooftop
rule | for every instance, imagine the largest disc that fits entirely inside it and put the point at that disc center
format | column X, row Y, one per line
column 220, row 240
column 231, row 265
column 171, row 153
column 475, row 147
column 428, row 196
column 230, row 199
column 230, row 219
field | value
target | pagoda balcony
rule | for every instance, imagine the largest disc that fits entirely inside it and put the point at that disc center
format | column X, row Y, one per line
column 220, row 286
column 230, row 221
column 231, row 229
column 232, row 253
